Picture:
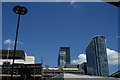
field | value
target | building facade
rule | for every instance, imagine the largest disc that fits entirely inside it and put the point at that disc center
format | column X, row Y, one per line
column 50, row 72
column 22, row 72
column 97, row 62
column 20, row 57
column 64, row 56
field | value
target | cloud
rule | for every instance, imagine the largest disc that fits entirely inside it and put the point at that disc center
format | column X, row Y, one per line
column 18, row 42
column 8, row 41
column 74, row 4
column 111, row 54
column 11, row 43
column 81, row 59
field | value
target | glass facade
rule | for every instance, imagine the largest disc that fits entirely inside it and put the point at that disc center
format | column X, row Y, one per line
column 97, row 63
column 64, row 56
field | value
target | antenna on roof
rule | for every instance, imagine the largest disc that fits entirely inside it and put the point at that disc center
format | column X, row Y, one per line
column 41, row 60
column 8, row 50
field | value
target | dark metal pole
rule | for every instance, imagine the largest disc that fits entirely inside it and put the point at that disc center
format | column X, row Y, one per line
column 42, row 74
column 15, row 46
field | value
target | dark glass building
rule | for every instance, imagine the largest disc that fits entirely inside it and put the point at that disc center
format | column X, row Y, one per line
column 84, row 67
column 64, row 56
column 97, row 63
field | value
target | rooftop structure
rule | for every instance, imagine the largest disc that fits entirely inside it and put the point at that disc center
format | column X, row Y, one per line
column 8, row 54
column 20, row 57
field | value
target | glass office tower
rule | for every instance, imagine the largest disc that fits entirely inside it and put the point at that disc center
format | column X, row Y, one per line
column 64, row 56
column 97, row 62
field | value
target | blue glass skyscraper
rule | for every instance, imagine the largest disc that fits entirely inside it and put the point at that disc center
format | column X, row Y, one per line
column 97, row 62
column 64, row 56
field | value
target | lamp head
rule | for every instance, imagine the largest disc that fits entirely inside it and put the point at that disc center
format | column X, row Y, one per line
column 21, row 10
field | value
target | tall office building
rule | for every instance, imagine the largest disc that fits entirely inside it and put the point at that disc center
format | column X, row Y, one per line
column 64, row 56
column 97, row 63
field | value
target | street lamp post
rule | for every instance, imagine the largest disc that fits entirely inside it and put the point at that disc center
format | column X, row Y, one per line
column 20, row 10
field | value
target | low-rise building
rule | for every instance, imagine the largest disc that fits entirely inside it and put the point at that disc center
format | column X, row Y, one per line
column 24, row 66
column 20, row 57
column 53, row 71
column 22, row 71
